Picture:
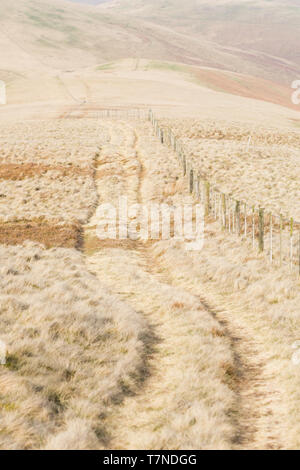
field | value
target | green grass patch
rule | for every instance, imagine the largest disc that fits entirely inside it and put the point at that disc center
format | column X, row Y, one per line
column 12, row 362
column 105, row 66
column 154, row 65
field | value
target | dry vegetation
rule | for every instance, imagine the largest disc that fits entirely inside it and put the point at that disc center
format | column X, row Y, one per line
column 67, row 143
column 187, row 401
column 259, row 309
column 47, row 183
column 257, row 313
column 73, row 350
column 60, row 35
column 133, row 344
column 256, row 165
column 42, row 231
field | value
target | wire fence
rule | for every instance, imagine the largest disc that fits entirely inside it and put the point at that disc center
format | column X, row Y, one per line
column 272, row 234
column 139, row 114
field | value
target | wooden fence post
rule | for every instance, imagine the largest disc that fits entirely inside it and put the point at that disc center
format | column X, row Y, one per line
column 271, row 238
column 224, row 224
column 207, row 198
column 299, row 253
column 261, row 226
column 291, row 241
column 191, row 181
column 238, row 216
column 184, row 165
column 198, row 186
column 216, row 204
column 245, row 220
column 280, row 239
column 220, row 208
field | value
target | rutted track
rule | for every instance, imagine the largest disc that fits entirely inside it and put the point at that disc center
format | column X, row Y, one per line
column 173, row 407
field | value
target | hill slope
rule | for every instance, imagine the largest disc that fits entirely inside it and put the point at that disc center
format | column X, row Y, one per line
column 257, row 38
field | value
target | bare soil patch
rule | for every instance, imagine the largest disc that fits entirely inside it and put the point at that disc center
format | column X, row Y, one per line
column 14, row 172
column 63, row 236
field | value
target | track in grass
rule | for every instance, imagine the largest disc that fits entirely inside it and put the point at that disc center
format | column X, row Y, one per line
column 204, row 385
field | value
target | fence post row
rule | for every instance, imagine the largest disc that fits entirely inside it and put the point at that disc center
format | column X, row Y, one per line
column 261, row 228
column 223, row 211
column 299, row 254
column 207, row 198
column 226, row 209
column 184, row 165
column 191, row 181
column 238, row 216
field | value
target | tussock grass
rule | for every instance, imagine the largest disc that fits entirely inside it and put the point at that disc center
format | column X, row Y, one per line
column 49, row 178
column 41, row 231
column 186, row 402
column 262, row 306
column 14, row 172
column 73, row 350
column 141, row 345
column 187, row 399
column 258, row 307
column 51, row 196
column 261, row 171
column 235, row 131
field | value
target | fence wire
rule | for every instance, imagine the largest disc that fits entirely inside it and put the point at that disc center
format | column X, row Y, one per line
column 275, row 236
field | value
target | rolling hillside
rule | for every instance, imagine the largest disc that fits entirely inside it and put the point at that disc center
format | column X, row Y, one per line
column 122, row 336
column 256, row 38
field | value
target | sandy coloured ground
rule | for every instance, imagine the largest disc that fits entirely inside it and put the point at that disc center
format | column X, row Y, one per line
column 195, row 348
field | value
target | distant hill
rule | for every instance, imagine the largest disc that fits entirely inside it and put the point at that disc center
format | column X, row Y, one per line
column 258, row 37
column 90, row 2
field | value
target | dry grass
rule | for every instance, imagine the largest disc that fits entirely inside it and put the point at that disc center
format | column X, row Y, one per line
column 41, row 231
column 178, row 350
column 51, row 196
column 236, row 131
column 262, row 307
column 14, row 172
column 187, row 400
column 69, row 143
column 259, row 308
column 73, row 350
column 262, row 172
column 47, row 183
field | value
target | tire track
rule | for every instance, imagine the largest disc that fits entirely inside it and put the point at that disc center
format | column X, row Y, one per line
column 257, row 398
column 171, row 403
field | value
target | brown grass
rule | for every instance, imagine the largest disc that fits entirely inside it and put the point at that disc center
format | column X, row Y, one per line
column 50, row 235
column 185, row 400
column 93, row 244
column 160, row 368
column 15, row 172
column 254, row 165
column 73, row 350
